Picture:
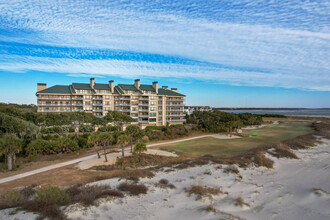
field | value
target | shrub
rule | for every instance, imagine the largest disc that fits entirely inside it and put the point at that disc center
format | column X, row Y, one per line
column 231, row 169
column 12, row 198
column 133, row 189
column 282, row 150
column 163, row 181
column 262, row 160
column 87, row 195
column 210, row 208
column 240, row 202
column 86, row 128
column 51, row 195
column 201, row 191
column 109, row 128
column 28, row 191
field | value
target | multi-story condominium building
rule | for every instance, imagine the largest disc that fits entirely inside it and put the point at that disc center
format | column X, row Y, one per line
column 146, row 104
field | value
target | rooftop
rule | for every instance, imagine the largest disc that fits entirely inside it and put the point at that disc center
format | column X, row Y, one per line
column 119, row 89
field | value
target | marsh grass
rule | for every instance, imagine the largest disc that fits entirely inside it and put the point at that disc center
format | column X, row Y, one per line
column 202, row 191
column 133, row 189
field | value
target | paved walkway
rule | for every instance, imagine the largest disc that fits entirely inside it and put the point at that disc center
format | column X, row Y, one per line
column 29, row 173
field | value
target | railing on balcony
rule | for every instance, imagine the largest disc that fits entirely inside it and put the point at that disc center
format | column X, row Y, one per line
column 123, row 98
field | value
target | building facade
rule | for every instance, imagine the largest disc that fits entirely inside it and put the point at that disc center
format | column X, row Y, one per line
column 146, row 104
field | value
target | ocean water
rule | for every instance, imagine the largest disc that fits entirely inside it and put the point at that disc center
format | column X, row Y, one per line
column 307, row 112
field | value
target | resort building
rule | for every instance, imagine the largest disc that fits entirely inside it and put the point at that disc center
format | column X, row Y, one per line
column 146, row 104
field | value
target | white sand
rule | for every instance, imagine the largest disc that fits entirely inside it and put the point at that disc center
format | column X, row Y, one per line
column 285, row 192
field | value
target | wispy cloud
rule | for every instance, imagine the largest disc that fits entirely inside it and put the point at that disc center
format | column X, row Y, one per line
column 255, row 43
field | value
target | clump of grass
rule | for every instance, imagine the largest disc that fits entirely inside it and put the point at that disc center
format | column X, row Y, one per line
column 87, row 195
column 163, row 183
column 133, row 175
column 47, row 202
column 28, row 191
column 208, row 172
column 282, row 150
column 240, row 202
column 133, row 189
column 12, row 198
column 262, row 160
column 210, row 208
column 201, row 191
column 51, row 195
column 231, row 169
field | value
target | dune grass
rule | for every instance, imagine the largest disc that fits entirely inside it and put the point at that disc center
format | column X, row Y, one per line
column 271, row 134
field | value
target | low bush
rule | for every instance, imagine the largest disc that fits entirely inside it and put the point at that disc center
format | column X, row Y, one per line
column 133, row 189
column 282, row 150
column 163, row 183
column 133, row 175
column 202, row 191
column 51, row 195
column 231, row 169
column 210, row 208
column 12, row 198
column 240, row 202
column 262, row 160
column 86, row 128
column 109, row 128
column 87, row 195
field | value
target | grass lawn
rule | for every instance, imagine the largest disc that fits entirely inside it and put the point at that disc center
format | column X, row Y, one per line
column 231, row 147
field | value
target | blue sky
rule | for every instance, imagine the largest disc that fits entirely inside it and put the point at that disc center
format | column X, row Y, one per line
column 238, row 53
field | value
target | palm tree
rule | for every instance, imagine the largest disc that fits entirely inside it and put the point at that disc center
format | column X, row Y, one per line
column 93, row 139
column 139, row 148
column 132, row 131
column 106, row 139
column 10, row 144
column 123, row 139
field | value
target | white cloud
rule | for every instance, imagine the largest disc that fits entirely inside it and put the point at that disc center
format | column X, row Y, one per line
column 292, row 55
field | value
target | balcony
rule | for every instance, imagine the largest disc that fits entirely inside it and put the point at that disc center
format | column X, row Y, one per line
column 145, row 98
column 55, row 104
column 98, row 98
column 143, row 104
column 52, row 98
column 123, row 98
column 77, row 104
column 123, row 110
column 175, row 114
column 97, row 110
column 171, row 104
column 77, row 98
column 144, row 121
column 175, row 99
column 122, row 104
column 97, row 104
column 143, row 110
column 177, row 120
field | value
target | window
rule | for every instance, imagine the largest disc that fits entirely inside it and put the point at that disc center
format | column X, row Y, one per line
column 152, row 109
column 152, row 114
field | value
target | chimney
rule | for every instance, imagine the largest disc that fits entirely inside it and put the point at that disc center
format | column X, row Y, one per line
column 111, row 86
column 174, row 89
column 41, row 86
column 165, row 87
column 137, row 83
column 155, row 85
column 92, row 82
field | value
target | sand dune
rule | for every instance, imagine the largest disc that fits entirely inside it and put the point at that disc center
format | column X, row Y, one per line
column 294, row 189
